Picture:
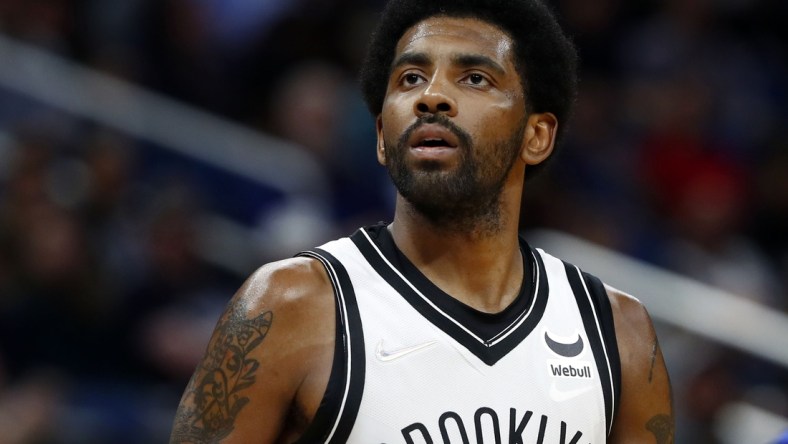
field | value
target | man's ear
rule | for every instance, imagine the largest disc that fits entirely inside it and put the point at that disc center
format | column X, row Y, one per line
column 381, row 146
column 539, row 138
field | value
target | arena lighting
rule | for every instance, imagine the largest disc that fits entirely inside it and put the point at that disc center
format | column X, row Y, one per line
column 136, row 111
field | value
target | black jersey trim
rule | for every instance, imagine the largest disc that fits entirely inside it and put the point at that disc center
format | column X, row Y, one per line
column 427, row 300
column 597, row 315
column 338, row 409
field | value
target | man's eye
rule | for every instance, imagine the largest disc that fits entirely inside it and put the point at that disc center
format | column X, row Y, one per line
column 411, row 79
column 477, row 79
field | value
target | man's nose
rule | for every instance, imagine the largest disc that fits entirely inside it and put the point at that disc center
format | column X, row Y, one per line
column 435, row 99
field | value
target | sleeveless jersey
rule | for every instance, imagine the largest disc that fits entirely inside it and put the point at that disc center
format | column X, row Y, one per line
column 414, row 365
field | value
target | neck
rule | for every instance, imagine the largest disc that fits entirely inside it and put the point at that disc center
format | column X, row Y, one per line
column 478, row 264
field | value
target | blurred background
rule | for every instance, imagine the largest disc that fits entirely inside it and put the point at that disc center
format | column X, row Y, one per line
column 153, row 153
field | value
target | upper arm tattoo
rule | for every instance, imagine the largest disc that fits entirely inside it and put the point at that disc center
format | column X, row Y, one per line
column 215, row 394
column 662, row 428
column 654, row 350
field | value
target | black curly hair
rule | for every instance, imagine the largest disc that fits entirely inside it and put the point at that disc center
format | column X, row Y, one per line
column 546, row 59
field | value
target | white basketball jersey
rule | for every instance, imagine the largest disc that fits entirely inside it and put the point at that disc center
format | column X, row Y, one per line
column 414, row 365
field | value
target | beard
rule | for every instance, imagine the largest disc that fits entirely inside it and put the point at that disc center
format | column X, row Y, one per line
column 463, row 199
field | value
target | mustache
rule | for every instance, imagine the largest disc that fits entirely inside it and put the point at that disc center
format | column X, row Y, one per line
column 440, row 119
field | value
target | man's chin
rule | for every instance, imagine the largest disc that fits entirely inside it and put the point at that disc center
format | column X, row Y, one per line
column 432, row 166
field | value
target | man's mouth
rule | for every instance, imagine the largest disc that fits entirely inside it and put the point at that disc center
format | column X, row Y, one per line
column 432, row 136
column 433, row 143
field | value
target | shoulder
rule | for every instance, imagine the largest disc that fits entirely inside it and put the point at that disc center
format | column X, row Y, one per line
column 632, row 321
column 289, row 301
column 286, row 282
column 635, row 334
column 294, row 295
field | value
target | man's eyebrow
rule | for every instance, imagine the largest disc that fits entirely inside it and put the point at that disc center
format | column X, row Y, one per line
column 411, row 58
column 477, row 60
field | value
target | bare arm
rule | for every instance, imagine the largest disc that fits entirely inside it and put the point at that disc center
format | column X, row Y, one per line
column 267, row 364
column 645, row 412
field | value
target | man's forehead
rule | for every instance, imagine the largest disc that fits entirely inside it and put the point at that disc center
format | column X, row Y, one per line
column 474, row 34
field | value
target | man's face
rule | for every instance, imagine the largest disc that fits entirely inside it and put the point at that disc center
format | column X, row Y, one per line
column 453, row 119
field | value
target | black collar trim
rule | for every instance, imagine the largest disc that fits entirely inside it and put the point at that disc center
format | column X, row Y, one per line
column 488, row 336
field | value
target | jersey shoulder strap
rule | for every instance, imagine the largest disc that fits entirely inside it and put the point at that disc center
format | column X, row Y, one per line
column 597, row 314
column 337, row 412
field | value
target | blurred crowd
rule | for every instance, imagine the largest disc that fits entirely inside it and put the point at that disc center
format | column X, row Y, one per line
column 677, row 154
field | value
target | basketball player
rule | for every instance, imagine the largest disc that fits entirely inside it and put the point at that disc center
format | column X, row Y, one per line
column 443, row 326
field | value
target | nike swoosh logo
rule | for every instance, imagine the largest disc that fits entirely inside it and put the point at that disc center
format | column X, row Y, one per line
column 565, row 395
column 387, row 356
column 565, row 350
